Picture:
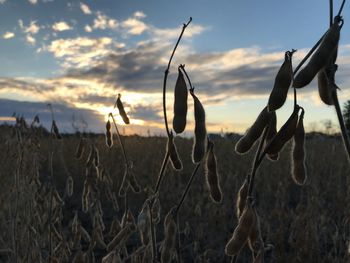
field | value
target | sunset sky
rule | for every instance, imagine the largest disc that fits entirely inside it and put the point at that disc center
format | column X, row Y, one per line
column 78, row 55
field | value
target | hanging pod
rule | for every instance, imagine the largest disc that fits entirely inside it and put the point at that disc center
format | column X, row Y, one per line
column 321, row 56
column 246, row 142
column 180, row 103
column 173, row 154
column 211, row 174
column 109, row 136
column 241, row 232
column 298, row 153
column 284, row 134
column 323, row 87
column 200, row 130
column 271, row 133
column 170, row 228
column 282, row 83
column 122, row 112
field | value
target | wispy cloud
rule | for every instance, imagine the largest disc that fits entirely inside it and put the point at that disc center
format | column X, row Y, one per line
column 33, row 2
column 2, row 1
column 85, row 9
column 80, row 52
column 134, row 26
column 31, row 40
column 8, row 35
column 61, row 26
column 102, row 22
column 32, row 28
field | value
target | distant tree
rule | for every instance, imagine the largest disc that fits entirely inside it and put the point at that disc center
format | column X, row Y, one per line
column 346, row 115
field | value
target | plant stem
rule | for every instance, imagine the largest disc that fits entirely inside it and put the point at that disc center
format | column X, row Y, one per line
column 341, row 8
column 256, row 162
column 153, row 238
column 187, row 188
column 188, row 78
column 120, row 141
column 166, row 76
column 161, row 173
column 330, row 12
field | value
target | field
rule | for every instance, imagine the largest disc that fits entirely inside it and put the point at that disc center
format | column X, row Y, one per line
column 307, row 223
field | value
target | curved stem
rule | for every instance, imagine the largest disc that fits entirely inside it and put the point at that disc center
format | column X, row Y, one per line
column 166, row 76
column 341, row 8
column 308, row 55
column 187, row 188
column 188, row 78
column 120, row 141
column 330, row 12
column 256, row 162
column 161, row 173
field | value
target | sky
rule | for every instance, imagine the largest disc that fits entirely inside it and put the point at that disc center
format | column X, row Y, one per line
column 78, row 55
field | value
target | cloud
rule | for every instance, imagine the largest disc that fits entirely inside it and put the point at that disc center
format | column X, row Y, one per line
column 88, row 28
column 139, row 14
column 8, row 35
column 85, row 8
column 32, row 28
column 134, row 26
column 80, row 52
column 61, row 26
column 31, row 40
column 2, row 2
column 33, row 2
column 103, row 22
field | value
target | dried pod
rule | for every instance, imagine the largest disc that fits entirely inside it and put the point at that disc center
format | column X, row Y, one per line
column 321, row 56
column 255, row 241
column 109, row 137
column 97, row 238
column 84, row 234
column 124, row 185
column 55, row 131
column 241, row 233
column 57, row 197
column 143, row 224
column 272, row 131
column 282, row 83
column 112, row 257
column 80, row 149
column 122, row 112
column 323, row 88
column 284, row 134
column 170, row 237
column 156, row 210
column 298, row 153
column 135, row 187
column 121, row 237
column 173, row 154
column 200, row 130
column 69, row 186
column 241, row 198
column 211, row 174
column 115, row 227
column 96, row 157
column 180, row 104
column 91, row 156
column 254, row 132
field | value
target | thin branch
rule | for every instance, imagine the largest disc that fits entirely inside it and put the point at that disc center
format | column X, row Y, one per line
column 120, row 141
column 161, row 173
column 153, row 237
column 341, row 8
column 256, row 163
column 188, row 78
column 330, row 13
column 187, row 188
column 308, row 55
column 166, row 76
